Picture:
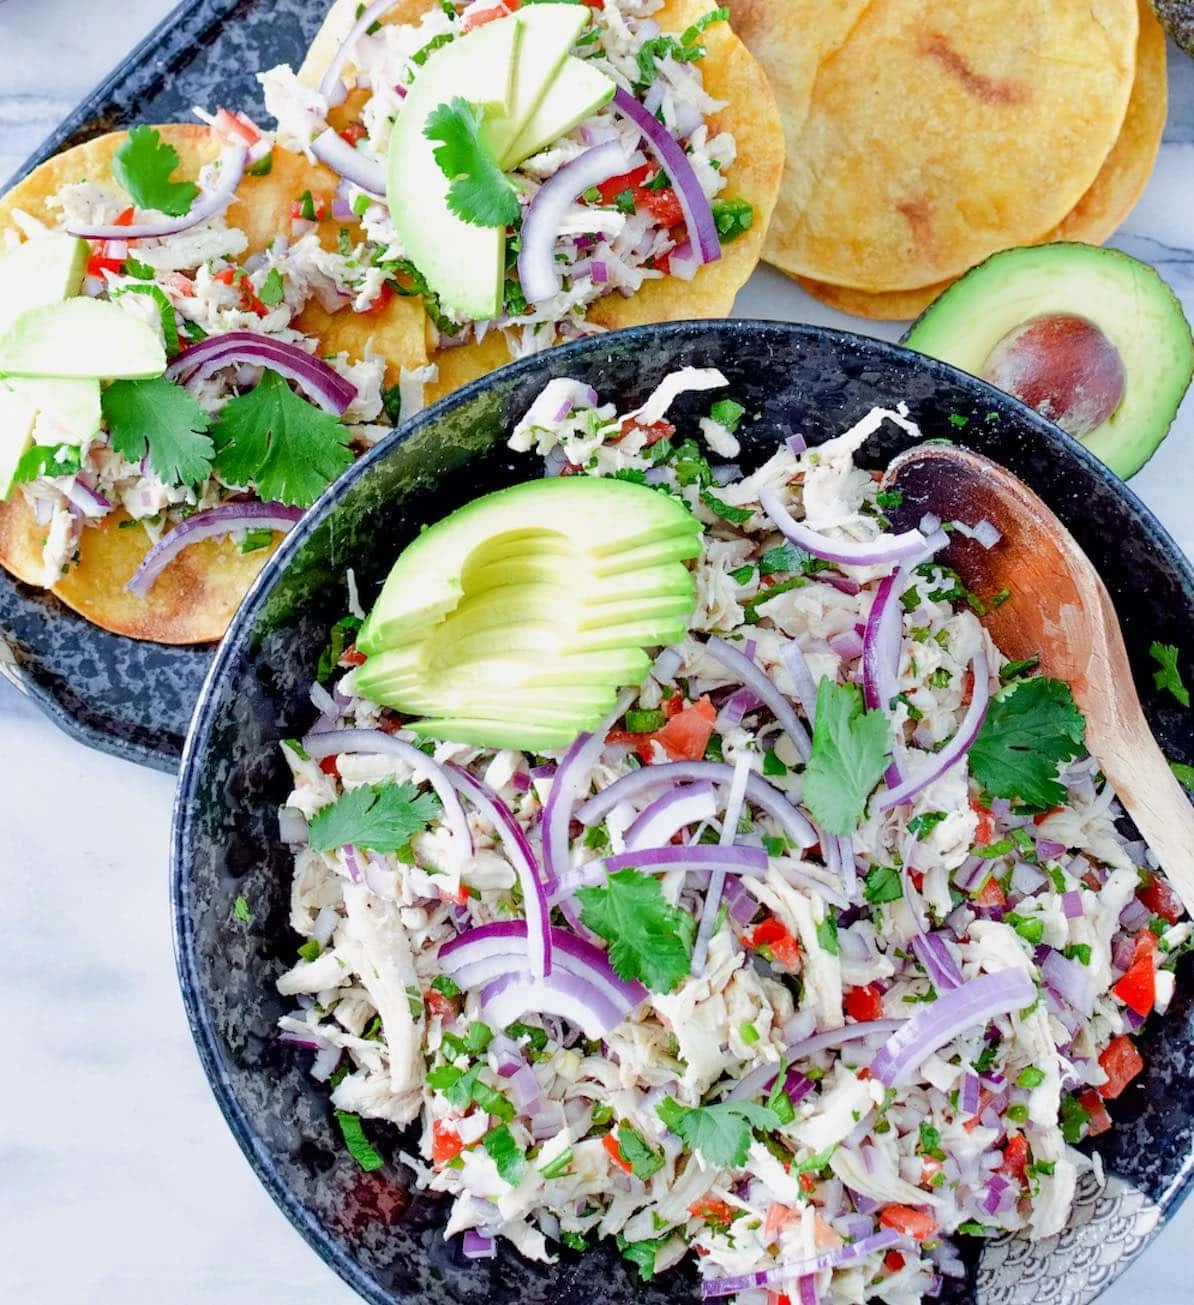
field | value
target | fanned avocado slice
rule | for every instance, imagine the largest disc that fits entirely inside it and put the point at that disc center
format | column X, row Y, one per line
column 1128, row 303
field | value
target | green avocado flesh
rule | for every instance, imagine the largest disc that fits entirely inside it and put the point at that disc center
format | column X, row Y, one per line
column 81, row 339
column 1124, row 298
column 44, row 270
column 500, row 626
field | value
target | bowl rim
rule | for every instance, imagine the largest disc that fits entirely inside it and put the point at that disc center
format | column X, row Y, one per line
column 318, row 1237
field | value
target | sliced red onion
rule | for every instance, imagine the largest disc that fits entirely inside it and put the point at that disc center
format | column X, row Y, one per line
column 560, row 993
column 308, row 1043
column 521, row 857
column 666, row 665
column 292, row 827
column 659, row 823
column 1133, row 917
column 698, row 212
column 353, row 865
column 668, row 774
column 951, row 1015
column 970, row 1093
column 939, row 962
column 331, row 86
column 847, row 862
column 954, row 750
column 1070, row 980
column 379, row 743
column 806, row 1288
column 737, row 704
column 911, row 547
column 1050, row 850
column 538, row 271
column 802, row 679
column 740, row 904
column 797, row 445
column 1026, row 878
column 683, row 261
column 331, row 148
column 738, row 861
column 712, row 1288
column 89, row 501
column 321, row 383
column 834, row 1038
column 765, row 688
column 882, row 644
column 207, row 204
column 475, row 1245
column 735, row 801
column 210, row 524
column 847, row 645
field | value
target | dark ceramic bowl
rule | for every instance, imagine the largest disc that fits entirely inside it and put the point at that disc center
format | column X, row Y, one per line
column 382, row 1237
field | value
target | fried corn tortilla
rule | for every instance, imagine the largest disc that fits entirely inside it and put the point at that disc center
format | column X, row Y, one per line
column 731, row 74
column 923, row 137
column 1096, row 216
column 194, row 598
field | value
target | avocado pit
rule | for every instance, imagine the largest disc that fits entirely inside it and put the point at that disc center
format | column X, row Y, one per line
column 1062, row 365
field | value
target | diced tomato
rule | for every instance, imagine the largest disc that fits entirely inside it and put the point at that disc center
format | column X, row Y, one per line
column 773, row 935
column 1100, row 1120
column 354, row 132
column 482, row 16
column 777, row 1216
column 319, row 207
column 98, row 264
column 235, row 127
column 663, row 206
column 808, row 1184
column 653, row 432
column 893, row 1261
column 990, row 894
column 918, row 879
column 445, row 1143
column 1161, row 900
column 615, row 1151
column 328, row 765
column 1015, row 1158
column 986, row 822
column 1138, row 987
column 967, row 686
column 594, row 4
column 180, row 284
column 864, row 1004
column 1042, row 816
column 673, row 706
column 912, row 1222
column 382, row 302
column 663, row 263
column 438, row 1004
column 686, row 736
column 632, row 181
column 985, row 1098
column 225, row 276
column 1121, row 1063
column 712, row 1210
column 353, row 657
column 930, row 1167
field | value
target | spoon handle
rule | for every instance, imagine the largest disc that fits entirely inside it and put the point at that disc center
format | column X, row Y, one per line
column 1129, row 756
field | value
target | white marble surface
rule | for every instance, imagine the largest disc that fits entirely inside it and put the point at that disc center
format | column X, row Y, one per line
column 118, row 1179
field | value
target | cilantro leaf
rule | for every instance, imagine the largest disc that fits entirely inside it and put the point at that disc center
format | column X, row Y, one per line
column 827, row 935
column 643, row 1159
column 240, row 909
column 722, row 1132
column 850, row 751
column 727, row 511
column 505, row 1152
column 648, row 939
column 1032, row 726
column 163, row 419
column 273, row 289
column 357, row 1143
column 47, row 460
column 143, row 166
column 481, row 193
column 1167, row 676
column 289, row 449
column 378, row 817
column 1184, row 773
column 643, row 1254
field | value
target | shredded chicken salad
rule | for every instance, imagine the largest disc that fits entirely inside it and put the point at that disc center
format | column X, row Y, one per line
column 843, row 944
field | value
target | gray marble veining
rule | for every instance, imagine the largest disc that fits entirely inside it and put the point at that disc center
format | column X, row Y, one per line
column 118, row 1179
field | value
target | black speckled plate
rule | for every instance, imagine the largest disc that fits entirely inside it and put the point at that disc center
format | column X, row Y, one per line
column 135, row 699
column 385, row 1239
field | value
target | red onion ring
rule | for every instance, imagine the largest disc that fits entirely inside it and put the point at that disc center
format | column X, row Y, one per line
column 215, row 521
column 207, row 204
column 538, row 271
column 659, row 823
column 321, row 383
column 331, row 85
column 698, row 212
column 712, row 1288
column 765, row 688
column 750, row 862
column 331, row 148
column 735, row 801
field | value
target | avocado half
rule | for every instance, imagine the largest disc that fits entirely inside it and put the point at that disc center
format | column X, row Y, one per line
column 1177, row 18
column 1123, row 297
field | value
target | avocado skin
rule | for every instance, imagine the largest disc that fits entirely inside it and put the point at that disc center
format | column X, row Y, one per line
column 1177, row 18
column 967, row 320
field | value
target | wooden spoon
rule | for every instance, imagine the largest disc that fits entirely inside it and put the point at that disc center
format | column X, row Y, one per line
column 1059, row 609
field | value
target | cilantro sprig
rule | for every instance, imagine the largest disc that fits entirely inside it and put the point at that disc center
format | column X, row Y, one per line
column 1032, row 726
column 357, row 1143
column 649, row 939
column 1167, row 676
column 722, row 1132
column 164, row 420
column 850, row 753
column 378, row 817
column 144, row 165
column 481, row 193
column 288, row 448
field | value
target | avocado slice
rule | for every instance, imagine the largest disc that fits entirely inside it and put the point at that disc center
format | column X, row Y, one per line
column 464, row 264
column 527, row 736
column 72, row 404
column 17, row 420
column 82, row 339
column 1125, row 299
column 578, row 91
column 410, row 667
column 1177, row 18
column 44, row 270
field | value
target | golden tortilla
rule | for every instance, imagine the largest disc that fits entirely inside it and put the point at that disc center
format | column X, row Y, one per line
column 730, row 74
column 923, row 137
column 1096, row 216
column 194, row 598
